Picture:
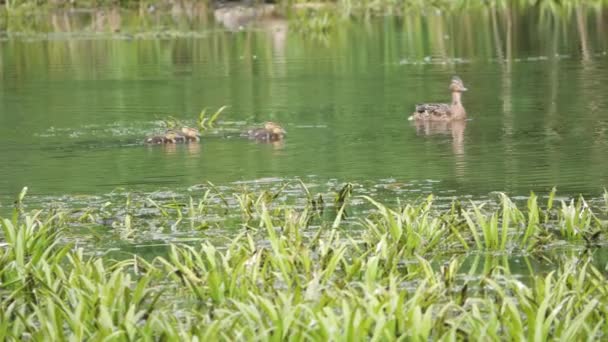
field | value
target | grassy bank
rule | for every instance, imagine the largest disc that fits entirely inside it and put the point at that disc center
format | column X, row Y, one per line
column 342, row 7
column 310, row 272
column 498, row 21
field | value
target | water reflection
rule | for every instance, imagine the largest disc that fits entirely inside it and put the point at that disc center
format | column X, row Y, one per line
column 264, row 18
column 581, row 25
column 543, row 105
column 106, row 20
column 193, row 149
column 454, row 128
column 482, row 265
column 278, row 145
column 236, row 17
column 276, row 28
column 61, row 22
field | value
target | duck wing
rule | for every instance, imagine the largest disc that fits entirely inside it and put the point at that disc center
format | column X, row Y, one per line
column 432, row 112
column 439, row 109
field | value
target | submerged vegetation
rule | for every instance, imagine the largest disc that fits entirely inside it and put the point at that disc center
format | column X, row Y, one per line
column 306, row 271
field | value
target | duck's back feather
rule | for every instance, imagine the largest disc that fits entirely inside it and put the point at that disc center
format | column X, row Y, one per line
column 434, row 108
column 432, row 111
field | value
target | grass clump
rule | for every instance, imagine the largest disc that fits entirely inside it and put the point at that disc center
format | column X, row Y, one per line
column 290, row 273
column 205, row 122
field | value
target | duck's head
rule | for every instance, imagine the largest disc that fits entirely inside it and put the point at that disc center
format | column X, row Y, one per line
column 457, row 85
column 190, row 132
column 274, row 128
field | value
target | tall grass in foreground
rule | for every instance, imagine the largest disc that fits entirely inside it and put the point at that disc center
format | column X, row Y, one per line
column 280, row 278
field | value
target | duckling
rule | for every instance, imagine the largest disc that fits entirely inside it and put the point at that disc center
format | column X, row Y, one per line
column 156, row 139
column 270, row 132
column 170, row 137
column 191, row 134
column 443, row 111
column 183, row 135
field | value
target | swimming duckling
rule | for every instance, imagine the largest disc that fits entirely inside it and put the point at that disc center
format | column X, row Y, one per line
column 156, row 139
column 443, row 111
column 172, row 136
column 270, row 132
column 191, row 134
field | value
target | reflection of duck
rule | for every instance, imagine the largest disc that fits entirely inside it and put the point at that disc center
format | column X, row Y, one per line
column 443, row 111
column 454, row 128
column 172, row 136
column 270, row 132
column 191, row 149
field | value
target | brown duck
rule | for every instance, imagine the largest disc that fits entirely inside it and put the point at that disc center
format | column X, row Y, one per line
column 443, row 111
column 269, row 133
column 172, row 136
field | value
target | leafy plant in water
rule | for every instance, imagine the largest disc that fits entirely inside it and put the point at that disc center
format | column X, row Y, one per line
column 340, row 203
column 284, row 280
column 316, row 205
column 404, row 233
column 500, row 230
column 205, row 122
column 578, row 221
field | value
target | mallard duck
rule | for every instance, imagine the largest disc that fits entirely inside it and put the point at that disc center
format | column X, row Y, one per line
column 270, row 132
column 443, row 111
column 172, row 136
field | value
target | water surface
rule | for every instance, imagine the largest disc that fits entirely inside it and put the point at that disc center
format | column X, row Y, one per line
column 75, row 107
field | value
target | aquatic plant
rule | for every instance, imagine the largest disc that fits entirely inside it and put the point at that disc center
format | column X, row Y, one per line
column 279, row 277
column 203, row 122
column 207, row 123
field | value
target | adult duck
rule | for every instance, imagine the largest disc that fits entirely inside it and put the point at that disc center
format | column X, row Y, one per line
column 443, row 111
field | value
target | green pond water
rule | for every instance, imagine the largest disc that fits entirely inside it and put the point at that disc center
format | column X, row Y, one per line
column 76, row 104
